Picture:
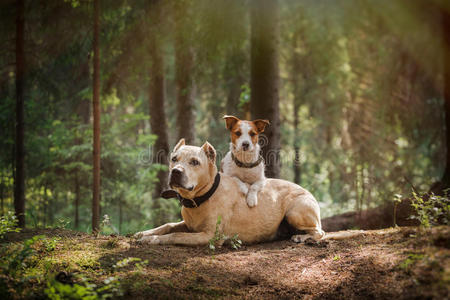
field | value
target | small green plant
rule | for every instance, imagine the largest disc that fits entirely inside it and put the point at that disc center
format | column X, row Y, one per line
column 61, row 223
column 336, row 257
column 106, row 227
column 397, row 201
column 8, row 223
column 50, row 243
column 411, row 260
column 219, row 238
column 431, row 209
column 139, row 263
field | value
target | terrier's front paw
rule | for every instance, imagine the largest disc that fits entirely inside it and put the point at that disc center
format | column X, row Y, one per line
column 252, row 199
column 243, row 187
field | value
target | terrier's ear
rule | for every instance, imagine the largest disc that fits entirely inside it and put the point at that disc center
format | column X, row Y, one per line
column 230, row 121
column 209, row 151
column 261, row 124
column 180, row 143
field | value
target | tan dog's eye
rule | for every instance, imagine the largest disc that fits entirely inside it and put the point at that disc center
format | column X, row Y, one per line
column 252, row 134
column 194, row 162
column 238, row 133
column 174, row 159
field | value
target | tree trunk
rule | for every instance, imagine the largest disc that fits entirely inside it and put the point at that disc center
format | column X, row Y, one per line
column 158, row 120
column 120, row 214
column 2, row 197
column 19, row 180
column 96, row 107
column 235, row 79
column 446, row 46
column 77, row 201
column 45, row 203
column 296, row 70
column 184, row 60
column 265, row 78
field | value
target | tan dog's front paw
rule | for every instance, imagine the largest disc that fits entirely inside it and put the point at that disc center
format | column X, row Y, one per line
column 150, row 239
column 252, row 199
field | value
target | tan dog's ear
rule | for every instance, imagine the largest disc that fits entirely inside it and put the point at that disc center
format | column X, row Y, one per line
column 180, row 143
column 230, row 121
column 209, row 151
column 261, row 124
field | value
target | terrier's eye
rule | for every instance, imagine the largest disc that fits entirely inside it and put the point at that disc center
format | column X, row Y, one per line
column 194, row 162
column 238, row 133
column 174, row 159
column 252, row 134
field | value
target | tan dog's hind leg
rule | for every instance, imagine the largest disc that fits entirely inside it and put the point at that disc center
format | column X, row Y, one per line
column 306, row 218
column 163, row 229
column 179, row 238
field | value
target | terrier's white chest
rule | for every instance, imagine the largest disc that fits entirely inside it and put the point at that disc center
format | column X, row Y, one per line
column 247, row 175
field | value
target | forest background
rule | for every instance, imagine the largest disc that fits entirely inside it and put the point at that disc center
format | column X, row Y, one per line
column 354, row 91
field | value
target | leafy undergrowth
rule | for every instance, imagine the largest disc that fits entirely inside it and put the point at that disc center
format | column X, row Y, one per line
column 400, row 263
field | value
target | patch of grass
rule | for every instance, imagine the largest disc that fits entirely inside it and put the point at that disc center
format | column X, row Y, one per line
column 411, row 260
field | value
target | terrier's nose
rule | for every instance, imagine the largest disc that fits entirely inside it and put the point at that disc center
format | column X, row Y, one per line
column 245, row 146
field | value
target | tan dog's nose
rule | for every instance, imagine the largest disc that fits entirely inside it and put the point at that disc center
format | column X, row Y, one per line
column 175, row 176
column 245, row 145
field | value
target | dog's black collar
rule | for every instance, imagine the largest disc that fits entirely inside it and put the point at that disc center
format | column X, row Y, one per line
column 241, row 164
column 197, row 201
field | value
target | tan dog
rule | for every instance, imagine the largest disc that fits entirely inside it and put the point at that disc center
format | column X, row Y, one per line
column 244, row 161
column 193, row 174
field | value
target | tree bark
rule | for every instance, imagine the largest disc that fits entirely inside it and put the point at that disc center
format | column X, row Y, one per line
column 296, row 70
column 1, row 196
column 446, row 46
column 19, row 180
column 77, row 201
column 235, row 79
column 158, row 120
column 184, row 60
column 96, row 108
column 120, row 214
column 265, row 78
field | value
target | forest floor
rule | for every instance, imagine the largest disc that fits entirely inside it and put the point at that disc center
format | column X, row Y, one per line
column 401, row 263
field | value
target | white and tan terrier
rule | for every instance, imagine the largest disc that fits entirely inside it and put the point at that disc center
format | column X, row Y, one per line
column 244, row 161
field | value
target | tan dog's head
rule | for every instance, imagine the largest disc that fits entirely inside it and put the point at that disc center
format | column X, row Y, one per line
column 244, row 134
column 191, row 168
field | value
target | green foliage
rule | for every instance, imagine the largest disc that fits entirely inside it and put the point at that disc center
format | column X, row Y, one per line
column 431, row 209
column 8, row 223
column 14, row 260
column 50, row 243
column 138, row 263
column 219, row 238
column 84, row 290
column 411, row 260
column 368, row 100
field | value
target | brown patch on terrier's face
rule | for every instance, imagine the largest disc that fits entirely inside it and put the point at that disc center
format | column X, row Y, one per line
column 244, row 134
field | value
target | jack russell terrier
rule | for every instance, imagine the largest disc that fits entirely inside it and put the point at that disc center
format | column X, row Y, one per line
column 244, row 161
